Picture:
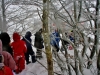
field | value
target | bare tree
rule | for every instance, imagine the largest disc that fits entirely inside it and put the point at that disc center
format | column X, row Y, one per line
column 4, row 16
column 46, row 36
column 77, row 16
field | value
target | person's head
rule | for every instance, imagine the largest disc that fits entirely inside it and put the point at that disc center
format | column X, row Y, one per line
column 16, row 36
column 5, row 38
column 28, row 34
column 40, row 30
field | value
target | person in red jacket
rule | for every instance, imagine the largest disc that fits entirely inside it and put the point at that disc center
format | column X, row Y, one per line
column 4, row 70
column 19, row 49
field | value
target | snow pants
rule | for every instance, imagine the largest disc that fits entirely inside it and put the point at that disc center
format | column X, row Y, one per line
column 20, row 62
column 32, row 56
column 39, row 53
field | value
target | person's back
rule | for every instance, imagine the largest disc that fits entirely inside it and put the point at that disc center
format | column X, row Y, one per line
column 4, row 70
column 28, row 39
column 30, row 51
column 8, row 59
column 38, row 37
column 19, row 49
column 38, row 43
column 5, row 38
column 18, row 45
column 54, row 40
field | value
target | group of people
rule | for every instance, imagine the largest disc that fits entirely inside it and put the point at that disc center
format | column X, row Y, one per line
column 14, row 54
column 55, row 39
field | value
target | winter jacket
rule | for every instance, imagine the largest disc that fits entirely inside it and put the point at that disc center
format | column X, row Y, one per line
column 8, row 59
column 6, row 71
column 18, row 46
column 54, row 39
column 28, row 40
column 38, row 42
column 30, row 51
column 71, row 38
column 19, row 49
column 5, row 38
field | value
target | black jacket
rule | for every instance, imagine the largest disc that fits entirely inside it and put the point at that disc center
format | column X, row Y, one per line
column 38, row 42
column 28, row 40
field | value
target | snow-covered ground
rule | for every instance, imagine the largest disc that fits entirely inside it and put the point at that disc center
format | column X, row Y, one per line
column 38, row 69
column 35, row 68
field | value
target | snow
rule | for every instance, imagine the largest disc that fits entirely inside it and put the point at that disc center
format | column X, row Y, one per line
column 35, row 68
column 38, row 69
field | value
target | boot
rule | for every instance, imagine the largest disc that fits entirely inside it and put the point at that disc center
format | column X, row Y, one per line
column 33, row 59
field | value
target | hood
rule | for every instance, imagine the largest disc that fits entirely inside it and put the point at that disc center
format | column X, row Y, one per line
column 28, row 34
column 0, row 47
column 16, row 36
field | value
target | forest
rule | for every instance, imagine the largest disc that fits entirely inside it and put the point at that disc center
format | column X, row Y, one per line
column 79, row 16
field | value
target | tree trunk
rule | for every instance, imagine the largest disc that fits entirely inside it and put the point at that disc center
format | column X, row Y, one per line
column 4, row 26
column 1, row 25
column 46, row 37
column 98, row 63
column 75, row 51
column 96, row 31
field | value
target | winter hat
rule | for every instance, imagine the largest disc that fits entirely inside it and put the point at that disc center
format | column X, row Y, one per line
column 5, row 38
column 16, row 36
column 28, row 34
column 0, row 47
column 40, row 30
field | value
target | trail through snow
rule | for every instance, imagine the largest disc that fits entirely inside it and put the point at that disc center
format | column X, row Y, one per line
column 38, row 69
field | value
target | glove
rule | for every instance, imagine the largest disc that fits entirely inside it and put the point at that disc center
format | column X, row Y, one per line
column 18, row 57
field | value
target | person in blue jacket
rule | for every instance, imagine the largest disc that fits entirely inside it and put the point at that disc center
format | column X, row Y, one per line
column 55, row 39
column 71, row 36
column 30, row 51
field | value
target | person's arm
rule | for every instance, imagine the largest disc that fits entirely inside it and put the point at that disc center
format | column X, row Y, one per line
column 11, row 62
column 25, row 47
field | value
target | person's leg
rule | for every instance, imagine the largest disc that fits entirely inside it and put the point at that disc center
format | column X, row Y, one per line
column 21, row 64
column 27, row 58
column 39, row 54
column 33, row 57
column 57, row 48
column 17, row 70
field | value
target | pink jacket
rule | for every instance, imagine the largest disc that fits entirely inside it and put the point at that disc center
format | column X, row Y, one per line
column 8, row 59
